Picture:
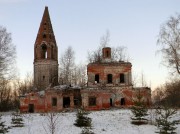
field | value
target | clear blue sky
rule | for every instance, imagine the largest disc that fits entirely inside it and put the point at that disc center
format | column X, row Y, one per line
column 81, row 23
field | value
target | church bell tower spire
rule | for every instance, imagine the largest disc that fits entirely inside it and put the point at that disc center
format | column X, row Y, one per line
column 45, row 54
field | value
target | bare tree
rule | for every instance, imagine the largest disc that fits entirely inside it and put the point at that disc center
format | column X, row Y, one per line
column 158, row 95
column 96, row 56
column 25, row 85
column 5, row 96
column 134, row 79
column 51, row 125
column 7, row 61
column 168, row 94
column 169, row 41
column 105, row 39
column 117, row 53
column 9, row 92
column 66, row 66
column 172, row 93
column 7, row 54
column 80, row 75
column 143, row 80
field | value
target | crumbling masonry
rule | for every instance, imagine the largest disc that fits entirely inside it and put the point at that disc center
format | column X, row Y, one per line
column 109, row 83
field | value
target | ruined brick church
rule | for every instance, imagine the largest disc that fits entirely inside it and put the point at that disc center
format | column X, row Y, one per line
column 109, row 83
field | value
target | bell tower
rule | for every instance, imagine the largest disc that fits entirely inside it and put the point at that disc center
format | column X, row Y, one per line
column 45, row 55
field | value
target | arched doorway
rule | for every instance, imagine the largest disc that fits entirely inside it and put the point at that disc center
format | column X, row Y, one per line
column 31, row 108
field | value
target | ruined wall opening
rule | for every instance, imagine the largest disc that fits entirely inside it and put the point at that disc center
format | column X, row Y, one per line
column 66, row 102
column 44, row 51
column 107, row 54
column 111, row 102
column 92, row 101
column 45, row 55
column 44, row 36
column 54, row 102
column 43, row 78
column 122, row 78
column 77, row 101
column 109, row 78
column 31, row 108
column 97, row 78
column 122, row 101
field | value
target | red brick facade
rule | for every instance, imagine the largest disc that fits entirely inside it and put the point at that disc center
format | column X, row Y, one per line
column 109, row 83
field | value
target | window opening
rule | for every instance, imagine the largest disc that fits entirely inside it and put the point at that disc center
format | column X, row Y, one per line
column 111, row 104
column 109, row 78
column 107, row 53
column 44, row 35
column 92, row 101
column 43, row 77
column 45, row 55
column 54, row 101
column 122, row 101
column 77, row 101
column 97, row 78
column 31, row 108
column 66, row 102
column 44, row 51
column 122, row 78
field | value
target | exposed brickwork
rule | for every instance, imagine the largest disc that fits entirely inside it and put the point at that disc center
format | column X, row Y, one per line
column 42, row 101
column 45, row 55
column 103, row 69
column 109, row 83
column 105, row 99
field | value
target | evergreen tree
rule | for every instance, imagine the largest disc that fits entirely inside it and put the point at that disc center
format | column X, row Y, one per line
column 139, row 111
column 17, row 120
column 164, row 122
column 86, row 130
column 82, row 119
column 3, row 128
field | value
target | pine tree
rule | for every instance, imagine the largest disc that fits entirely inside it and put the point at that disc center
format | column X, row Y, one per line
column 86, row 130
column 82, row 119
column 164, row 122
column 139, row 111
column 17, row 120
column 3, row 128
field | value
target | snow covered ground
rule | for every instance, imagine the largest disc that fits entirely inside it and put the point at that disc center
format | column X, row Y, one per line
column 103, row 122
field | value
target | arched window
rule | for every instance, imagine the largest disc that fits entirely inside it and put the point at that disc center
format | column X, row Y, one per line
column 45, row 55
column 44, row 51
column 107, row 53
column 109, row 78
column 44, row 35
column 122, row 78
column 97, row 78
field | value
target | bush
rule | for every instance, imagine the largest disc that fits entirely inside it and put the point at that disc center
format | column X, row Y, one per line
column 164, row 122
column 3, row 128
column 86, row 130
column 82, row 119
column 17, row 120
column 139, row 111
